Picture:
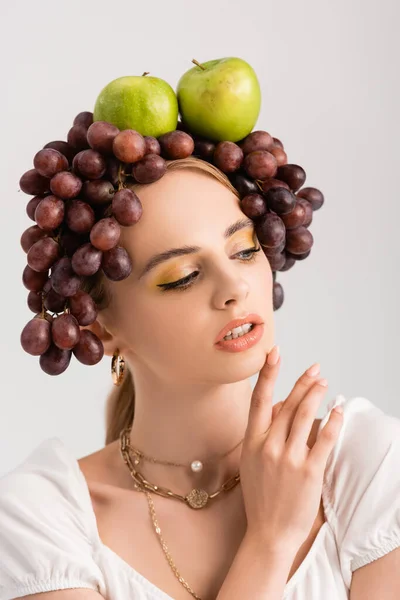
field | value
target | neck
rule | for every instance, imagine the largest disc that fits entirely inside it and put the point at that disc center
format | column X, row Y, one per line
column 182, row 423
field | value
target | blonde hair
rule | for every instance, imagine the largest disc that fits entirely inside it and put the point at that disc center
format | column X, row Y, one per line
column 120, row 403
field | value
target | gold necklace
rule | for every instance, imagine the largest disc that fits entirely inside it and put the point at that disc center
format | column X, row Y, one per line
column 142, row 485
column 196, row 465
column 196, row 498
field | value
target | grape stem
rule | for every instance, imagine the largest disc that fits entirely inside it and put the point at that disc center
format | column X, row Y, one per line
column 121, row 172
column 259, row 183
column 198, row 64
column 145, row 73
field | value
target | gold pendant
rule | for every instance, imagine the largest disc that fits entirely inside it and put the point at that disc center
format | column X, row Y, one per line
column 197, row 498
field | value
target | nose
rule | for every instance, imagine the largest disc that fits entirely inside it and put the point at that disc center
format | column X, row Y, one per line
column 230, row 287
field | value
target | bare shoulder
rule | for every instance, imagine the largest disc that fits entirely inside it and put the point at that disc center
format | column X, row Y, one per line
column 72, row 594
column 98, row 465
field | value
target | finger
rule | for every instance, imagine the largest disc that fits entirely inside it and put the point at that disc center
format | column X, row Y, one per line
column 276, row 408
column 284, row 420
column 260, row 411
column 305, row 416
column 326, row 440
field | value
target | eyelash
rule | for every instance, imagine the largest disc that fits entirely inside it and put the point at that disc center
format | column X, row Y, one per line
column 177, row 285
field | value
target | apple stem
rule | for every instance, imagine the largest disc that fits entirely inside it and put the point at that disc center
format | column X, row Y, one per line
column 198, row 64
column 146, row 73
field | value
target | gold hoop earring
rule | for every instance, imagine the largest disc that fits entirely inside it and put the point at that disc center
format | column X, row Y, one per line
column 117, row 368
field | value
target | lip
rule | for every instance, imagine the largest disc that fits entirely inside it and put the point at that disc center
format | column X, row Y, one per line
column 250, row 318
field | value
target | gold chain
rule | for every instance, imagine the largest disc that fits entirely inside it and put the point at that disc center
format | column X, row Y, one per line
column 142, row 485
column 196, row 498
column 168, row 463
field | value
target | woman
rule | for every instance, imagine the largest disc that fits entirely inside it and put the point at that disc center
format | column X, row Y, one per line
column 318, row 498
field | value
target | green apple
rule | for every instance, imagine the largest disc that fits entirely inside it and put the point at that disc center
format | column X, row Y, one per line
column 220, row 99
column 147, row 104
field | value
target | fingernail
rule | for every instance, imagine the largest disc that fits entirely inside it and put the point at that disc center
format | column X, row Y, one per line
column 273, row 356
column 323, row 382
column 339, row 409
column 314, row 370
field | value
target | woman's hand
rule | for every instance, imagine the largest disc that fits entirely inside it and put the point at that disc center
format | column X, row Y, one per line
column 281, row 477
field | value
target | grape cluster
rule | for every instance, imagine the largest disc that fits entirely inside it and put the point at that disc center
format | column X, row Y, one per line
column 81, row 199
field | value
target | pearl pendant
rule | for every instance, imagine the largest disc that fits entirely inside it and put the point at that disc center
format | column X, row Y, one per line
column 196, row 466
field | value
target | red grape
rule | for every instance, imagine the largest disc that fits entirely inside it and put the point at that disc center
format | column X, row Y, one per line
column 112, row 171
column 43, row 254
column 33, row 280
column 105, row 234
column 83, row 308
column 86, row 260
column 278, row 143
column 260, row 164
column 33, row 183
column 77, row 137
column 79, row 216
column 243, row 184
column 116, row 264
column 65, row 331
column 270, row 230
column 299, row 240
column 314, row 196
column 53, row 301
column 126, row 207
column 49, row 213
column 228, row 156
column 55, row 361
column 278, row 295
column 48, row 162
column 34, row 301
column 30, row 236
column 308, row 211
column 295, row 217
column 129, row 146
column 267, row 184
column 89, row 350
column 274, row 250
column 64, row 279
column 151, row 168
column 176, row 144
column 280, row 155
column 299, row 256
column 35, row 336
column 253, row 205
column 64, row 148
column 293, row 175
column 280, row 200
column 98, row 191
column 257, row 140
column 84, row 118
column 277, row 261
column 152, row 145
column 31, row 206
column 65, row 185
column 89, row 164
column 289, row 263
column 204, row 148
column 101, row 135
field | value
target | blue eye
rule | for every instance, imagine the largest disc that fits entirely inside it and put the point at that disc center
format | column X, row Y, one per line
column 184, row 283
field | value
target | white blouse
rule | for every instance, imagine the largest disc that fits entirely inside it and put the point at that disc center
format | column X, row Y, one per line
column 49, row 538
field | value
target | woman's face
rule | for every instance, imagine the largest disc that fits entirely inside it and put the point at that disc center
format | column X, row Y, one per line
column 172, row 332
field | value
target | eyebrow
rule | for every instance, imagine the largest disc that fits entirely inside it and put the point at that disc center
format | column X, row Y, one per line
column 183, row 250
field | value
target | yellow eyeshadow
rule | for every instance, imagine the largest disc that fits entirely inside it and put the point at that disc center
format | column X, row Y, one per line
column 175, row 271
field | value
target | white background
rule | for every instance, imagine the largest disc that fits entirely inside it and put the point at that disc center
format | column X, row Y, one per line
column 329, row 77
